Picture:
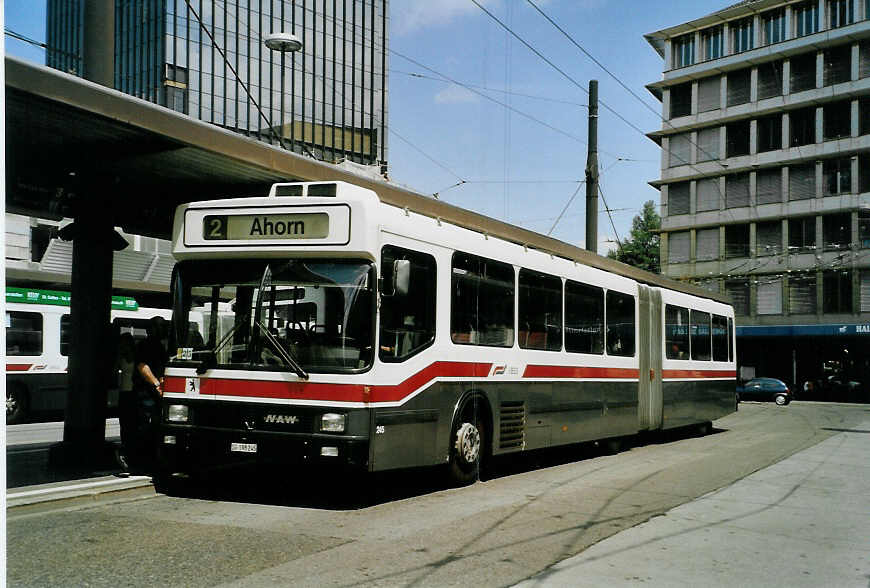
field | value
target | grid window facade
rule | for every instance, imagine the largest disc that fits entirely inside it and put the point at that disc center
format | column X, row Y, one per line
column 769, row 80
column 836, row 231
column 328, row 100
column 678, row 198
column 709, row 94
column 681, row 100
column 738, row 87
column 802, row 181
column 707, row 194
column 803, row 72
column 773, row 26
column 736, row 241
column 837, row 176
column 837, row 286
column 713, row 42
column 802, row 234
column 738, row 291
column 802, row 294
column 768, row 238
column 837, row 120
column 838, row 65
column 841, row 13
column 737, row 138
column 806, row 18
column 708, row 144
column 680, row 147
column 678, row 247
column 802, row 126
column 864, row 58
column 743, row 35
column 737, row 190
column 768, row 186
column 684, row 50
column 769, row 133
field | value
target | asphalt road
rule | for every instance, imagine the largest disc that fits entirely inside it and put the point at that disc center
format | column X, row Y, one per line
column 404, row 529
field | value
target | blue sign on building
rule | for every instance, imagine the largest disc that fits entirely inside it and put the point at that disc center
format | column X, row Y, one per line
column 802, row 330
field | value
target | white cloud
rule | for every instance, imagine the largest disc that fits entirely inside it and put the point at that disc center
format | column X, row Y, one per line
column 454, row 94
column 409, row 16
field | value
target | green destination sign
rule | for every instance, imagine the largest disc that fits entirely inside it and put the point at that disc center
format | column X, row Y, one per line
column 58, row 298
column 247, row 227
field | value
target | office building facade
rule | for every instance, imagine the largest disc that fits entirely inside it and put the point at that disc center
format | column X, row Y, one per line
column 207, row 59
column 765, row 180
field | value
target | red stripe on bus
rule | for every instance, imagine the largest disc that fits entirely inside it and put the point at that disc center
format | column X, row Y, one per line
column 322, row 392
column 671, row 374
column 569, row 371
column 18, row 367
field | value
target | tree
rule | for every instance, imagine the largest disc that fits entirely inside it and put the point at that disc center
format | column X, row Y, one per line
column 641, row 249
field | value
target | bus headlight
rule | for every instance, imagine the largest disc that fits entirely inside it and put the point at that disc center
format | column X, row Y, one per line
column 177, row 413
column 332, row 422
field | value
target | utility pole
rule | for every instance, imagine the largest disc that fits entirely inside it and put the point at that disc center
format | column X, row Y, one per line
column 592, row 171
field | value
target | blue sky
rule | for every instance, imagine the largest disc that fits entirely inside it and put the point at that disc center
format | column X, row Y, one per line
column 514, row 168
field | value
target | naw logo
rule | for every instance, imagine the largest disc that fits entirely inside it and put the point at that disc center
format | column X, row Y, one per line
column 284, row 419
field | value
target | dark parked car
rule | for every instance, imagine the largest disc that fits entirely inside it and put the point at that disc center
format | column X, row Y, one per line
column 766, row 390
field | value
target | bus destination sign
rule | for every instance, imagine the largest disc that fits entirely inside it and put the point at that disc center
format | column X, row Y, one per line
column 248, row 227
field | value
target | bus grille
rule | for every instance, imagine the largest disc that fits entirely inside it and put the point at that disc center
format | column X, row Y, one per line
column 513, row 425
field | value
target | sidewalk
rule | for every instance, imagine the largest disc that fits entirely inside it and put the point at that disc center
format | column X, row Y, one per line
column 804, row 521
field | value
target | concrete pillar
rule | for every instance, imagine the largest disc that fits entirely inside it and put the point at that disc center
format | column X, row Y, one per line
column 92, row 355
column 98, row 25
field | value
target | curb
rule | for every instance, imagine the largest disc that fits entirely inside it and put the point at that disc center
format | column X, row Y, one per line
column 78, row 489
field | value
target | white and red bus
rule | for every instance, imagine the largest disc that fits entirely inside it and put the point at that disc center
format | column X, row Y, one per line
column 340, row 328
column 37, row 347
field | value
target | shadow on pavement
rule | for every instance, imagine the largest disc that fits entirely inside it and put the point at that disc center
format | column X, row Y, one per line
column 308, row 487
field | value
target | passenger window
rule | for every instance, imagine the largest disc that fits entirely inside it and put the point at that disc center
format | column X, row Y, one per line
column 700, row 333
column 620, row 324
column 676, row 332
column 540, row 311
column 720, row 338
column 584, row 318
column 482, row 301
column 23, row 333
column 407, row 319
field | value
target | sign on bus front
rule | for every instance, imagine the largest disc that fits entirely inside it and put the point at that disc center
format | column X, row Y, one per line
column 248, row 227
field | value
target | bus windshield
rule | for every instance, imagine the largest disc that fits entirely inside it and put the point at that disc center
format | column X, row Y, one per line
column 299, row 315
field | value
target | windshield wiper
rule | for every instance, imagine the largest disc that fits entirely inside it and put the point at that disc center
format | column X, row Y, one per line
column 210, row 360
column 283, row 353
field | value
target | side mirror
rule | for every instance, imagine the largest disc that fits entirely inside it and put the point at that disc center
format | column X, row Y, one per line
column 401, row 277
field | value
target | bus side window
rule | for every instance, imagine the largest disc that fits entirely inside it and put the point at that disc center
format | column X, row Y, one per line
column 619, row 312
column 23, row 333
column 407, row 320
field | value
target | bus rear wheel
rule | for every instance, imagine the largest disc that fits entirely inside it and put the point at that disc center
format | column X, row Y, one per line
column 467, row 447
column 16, row 404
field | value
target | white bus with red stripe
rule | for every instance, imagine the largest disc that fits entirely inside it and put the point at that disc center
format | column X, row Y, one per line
column 37, row 348
column 362, row 332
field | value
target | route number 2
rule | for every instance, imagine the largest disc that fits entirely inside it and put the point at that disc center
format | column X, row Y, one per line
column 214, row 227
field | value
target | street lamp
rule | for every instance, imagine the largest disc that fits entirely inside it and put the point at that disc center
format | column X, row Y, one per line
column 283, row 42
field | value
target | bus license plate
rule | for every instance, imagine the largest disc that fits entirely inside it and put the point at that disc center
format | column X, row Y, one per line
column 243, row 447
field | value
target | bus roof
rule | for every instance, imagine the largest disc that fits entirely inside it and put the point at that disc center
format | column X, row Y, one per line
column 432, row 207
column 59, row 298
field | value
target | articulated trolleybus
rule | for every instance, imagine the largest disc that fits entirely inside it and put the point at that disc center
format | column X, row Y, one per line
column 341, row 328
